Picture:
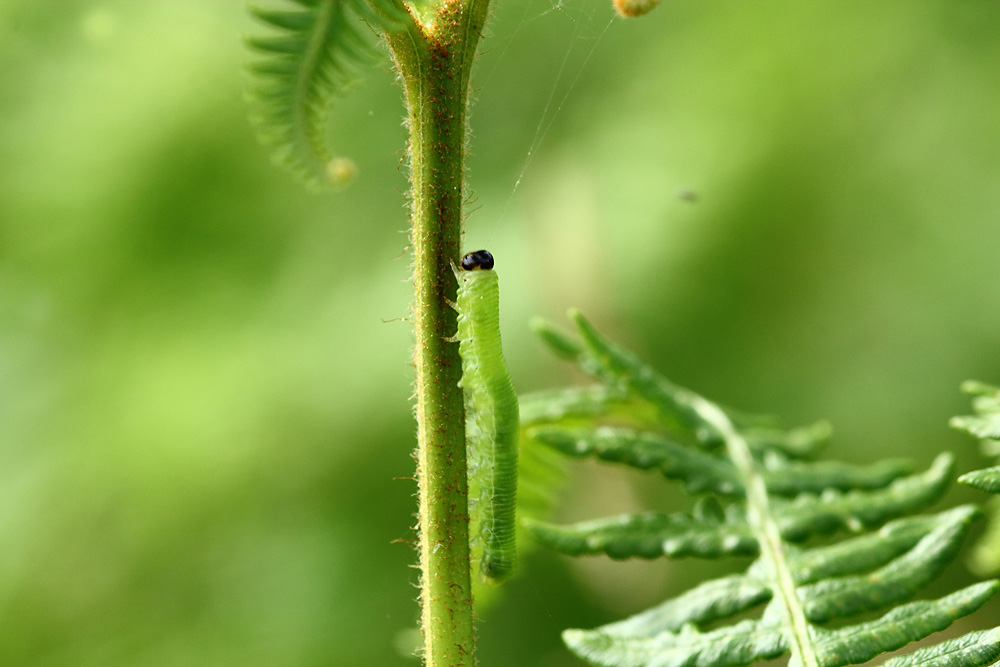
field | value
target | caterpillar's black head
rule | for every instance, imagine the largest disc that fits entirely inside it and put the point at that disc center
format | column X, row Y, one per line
column 480, row 259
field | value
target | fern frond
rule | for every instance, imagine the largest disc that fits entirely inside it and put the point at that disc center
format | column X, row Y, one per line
column 802, row 442
column 896, row 581
column 975, row 649
column 310, row 60
column 621, row 370
column 701, row 472
column 574, row 403
column 652, row 534
column 776, row 499
column 748, row 641
column 985, row 425
column 665, row 635
column 907, row 623
column 927, row 539
column 704, row 472
column 987, row 479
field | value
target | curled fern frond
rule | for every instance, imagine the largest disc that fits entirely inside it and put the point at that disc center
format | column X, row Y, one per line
column 311, row 59
column 759, row 493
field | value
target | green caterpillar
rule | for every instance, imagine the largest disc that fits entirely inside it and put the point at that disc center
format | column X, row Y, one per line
column 493, row 417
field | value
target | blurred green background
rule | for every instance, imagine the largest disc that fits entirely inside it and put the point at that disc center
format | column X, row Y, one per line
column 204, row 372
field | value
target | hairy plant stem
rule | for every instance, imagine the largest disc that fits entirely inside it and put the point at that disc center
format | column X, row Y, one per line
column 434, row 57
column 766, row 528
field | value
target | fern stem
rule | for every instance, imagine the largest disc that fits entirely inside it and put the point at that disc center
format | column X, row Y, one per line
column 434, row 57
column 766, row 528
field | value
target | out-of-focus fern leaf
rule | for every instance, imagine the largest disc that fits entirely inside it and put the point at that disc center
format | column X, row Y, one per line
column 809, row 598
column 802, row 442
column 986, row 403
column 311, row 59
column 574, row 403
column 985, row 425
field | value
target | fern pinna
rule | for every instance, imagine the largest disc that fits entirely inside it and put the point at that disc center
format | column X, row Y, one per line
column 985, row 425
column 760, row 494
column 310, row 60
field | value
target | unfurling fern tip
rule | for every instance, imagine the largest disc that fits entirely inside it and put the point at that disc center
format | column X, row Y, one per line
column 310, row 58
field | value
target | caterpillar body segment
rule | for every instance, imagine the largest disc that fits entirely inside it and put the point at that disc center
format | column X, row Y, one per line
column 493, row 428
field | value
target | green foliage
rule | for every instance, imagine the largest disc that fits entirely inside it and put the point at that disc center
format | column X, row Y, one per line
column 987, row 479
column 646, row 641
column 310, row 61
column 703, row 472
column 760, row 493
column 985, row 425
column 710, row 533
column 194, row 469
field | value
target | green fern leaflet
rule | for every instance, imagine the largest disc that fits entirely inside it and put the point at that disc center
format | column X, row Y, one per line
column 984, row 425
column 310, row 60
column 760, row 492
